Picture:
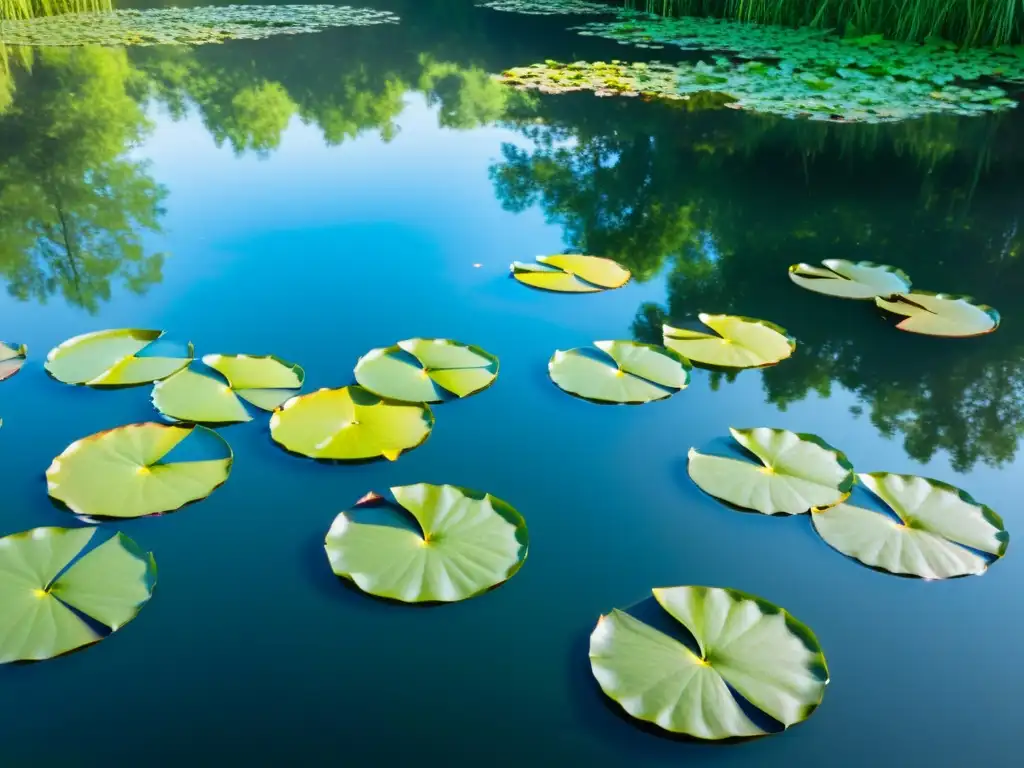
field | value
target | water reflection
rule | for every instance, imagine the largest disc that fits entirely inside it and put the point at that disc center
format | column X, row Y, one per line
column 725, row 203
column 74, row 204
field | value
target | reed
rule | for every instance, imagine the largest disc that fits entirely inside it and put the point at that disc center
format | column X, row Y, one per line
column 966, row 22
column 27, row 9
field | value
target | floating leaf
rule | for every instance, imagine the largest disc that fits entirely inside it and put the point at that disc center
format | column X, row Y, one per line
column 110, row 359
column 935, row 531
column 548, row 7
column 184, row 26
column 266, row 382
column 569, row 273
column 350, row 424
column 41, row 597
column 620, row 372
column 756, row 648
column 12, row 357
column 426, row 370
column 798, row 473
column 850, row 280
column 742, row 342
column 469, row 542
column 941, row 314
column 123, row 472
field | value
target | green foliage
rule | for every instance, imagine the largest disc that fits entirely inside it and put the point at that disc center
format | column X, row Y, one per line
column 978, row 22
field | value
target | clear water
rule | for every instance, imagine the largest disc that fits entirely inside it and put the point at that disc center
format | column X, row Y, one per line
column 314, row 197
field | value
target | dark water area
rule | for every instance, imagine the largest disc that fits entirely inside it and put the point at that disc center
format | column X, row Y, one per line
column 317, row 196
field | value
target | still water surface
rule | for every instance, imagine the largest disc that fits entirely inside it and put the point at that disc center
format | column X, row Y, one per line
column 314, row 197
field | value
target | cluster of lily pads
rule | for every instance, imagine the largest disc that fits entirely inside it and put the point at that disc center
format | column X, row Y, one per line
column 922, row 527
column 777, row 70
column 632, row 372
column 548, row 7
column 185, row 26
column 470, row 541
column 764, row 88
column 932, row 314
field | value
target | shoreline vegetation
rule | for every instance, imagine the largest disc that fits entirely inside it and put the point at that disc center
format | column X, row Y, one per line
column 974, row 23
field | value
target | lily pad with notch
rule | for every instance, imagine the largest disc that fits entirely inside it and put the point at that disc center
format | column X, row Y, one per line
column 426, row 370
column 920, row 527
column 139, row 470
column 465, row 543
column 797, row 473
column 737, row 342
column 216, row 396
column 620, row 372
column 748, row 653
column 571, row 273
column 350, row 424
column 12, row 357
column 115, row 358
column 56, row 597
column 941, row 314
column 851, row 280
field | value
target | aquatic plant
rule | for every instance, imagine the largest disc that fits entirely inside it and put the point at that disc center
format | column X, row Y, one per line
column 620, row 372
column 735, row 342
column 28, row 9
column 981, row 22
column 818, row 50
column 111, row 359
column 467, row 543
column 426, row 370
column 746, row 647
column 548, row 7
column 571, row 273
column 185, row 26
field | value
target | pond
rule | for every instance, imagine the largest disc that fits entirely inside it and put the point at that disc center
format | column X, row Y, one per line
column 316, row 196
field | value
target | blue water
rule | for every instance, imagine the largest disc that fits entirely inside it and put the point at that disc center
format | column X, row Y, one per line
column 252, row 652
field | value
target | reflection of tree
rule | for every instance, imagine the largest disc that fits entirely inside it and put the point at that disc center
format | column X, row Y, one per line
column 727, row 202
column 71, row 201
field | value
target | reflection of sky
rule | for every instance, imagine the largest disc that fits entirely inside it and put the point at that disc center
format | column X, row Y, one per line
column 253, row 650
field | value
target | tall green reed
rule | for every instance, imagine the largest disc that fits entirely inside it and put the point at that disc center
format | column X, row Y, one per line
column 27, row 9
column 967, row 22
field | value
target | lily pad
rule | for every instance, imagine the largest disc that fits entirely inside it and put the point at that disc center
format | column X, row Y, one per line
column 266, row 382
column 426, row 370
column 570, row 273
column 798, row 473
column 941, row 314
column 851, row 280
column 745, row 643
column 111, row 359
column 12, row 357
column 934, row 531
column 738, row 342
column 468, row 543
column 184, row 26
column 46, row 582
column 350, row 424
column 549, row 7
column 620, row 372
column 125, row 472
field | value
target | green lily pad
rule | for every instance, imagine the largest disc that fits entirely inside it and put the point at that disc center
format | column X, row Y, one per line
column 122, row 472
column 620, row 372
column 45, row 580
column 468, row 543
column 350, row 424
column 934, row 531
column 768, row 657
column 570, row 273
column 798, row 473
column 266, row 382
column 184, row 26
column 851, row 280
column 12, row 357
column 548, row 7
column 738, row 342
column 111, row 359
column 941, row 314
column 426, row 370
